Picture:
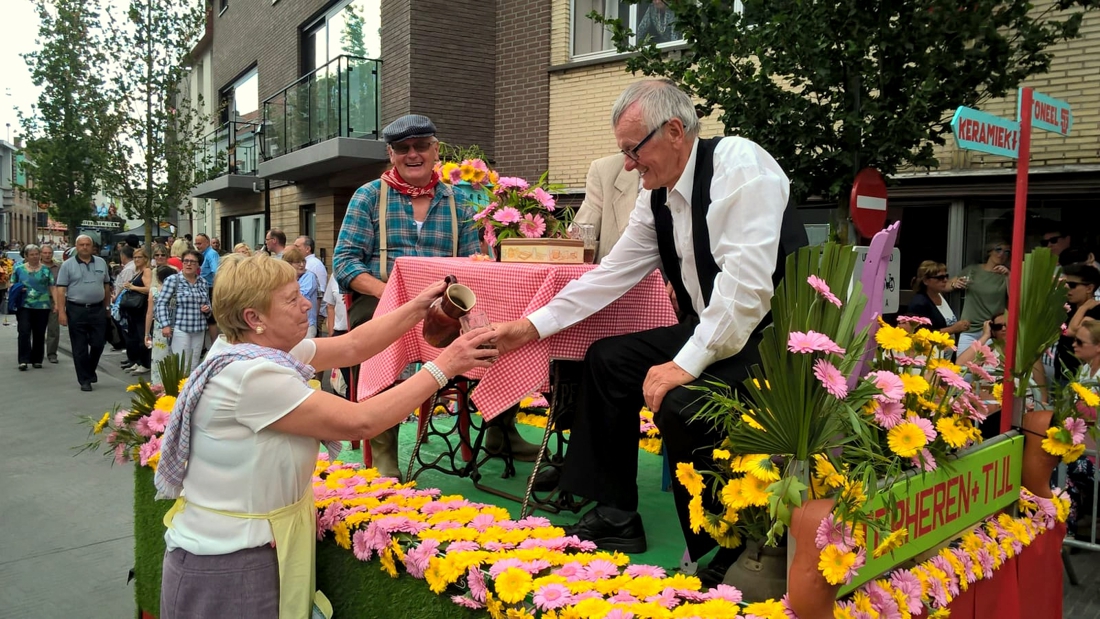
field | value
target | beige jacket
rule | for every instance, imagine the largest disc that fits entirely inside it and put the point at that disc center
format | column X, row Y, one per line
column 609, row 196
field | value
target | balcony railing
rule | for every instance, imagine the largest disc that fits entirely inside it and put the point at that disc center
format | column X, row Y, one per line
column 339, row 99
column 229, row 149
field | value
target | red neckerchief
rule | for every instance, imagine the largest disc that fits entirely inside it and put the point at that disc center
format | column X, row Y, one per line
column 398, row 184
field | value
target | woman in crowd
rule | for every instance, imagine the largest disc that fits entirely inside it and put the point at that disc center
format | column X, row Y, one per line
column 242, row 442
column 182, row 306
column 136, row 350
column 242, row 249
column 307, row 283
column 986, row 287
column 930, row 284
column 993, row 336
column 1079, row 474
column 160, row 256
column 159, row 345
column 33, row 315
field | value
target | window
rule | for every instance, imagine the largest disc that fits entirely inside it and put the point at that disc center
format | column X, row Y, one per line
column 307, row 220
column 241, row 100
column 351, row 28
column 648, row 18
column 222, row 6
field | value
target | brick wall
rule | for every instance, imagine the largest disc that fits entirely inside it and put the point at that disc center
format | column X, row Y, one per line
column 523, row 87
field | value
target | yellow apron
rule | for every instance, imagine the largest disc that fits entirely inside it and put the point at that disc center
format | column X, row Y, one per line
column 294, row 528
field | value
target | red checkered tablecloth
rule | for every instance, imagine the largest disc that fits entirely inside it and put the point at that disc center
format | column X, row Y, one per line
column 507, row 291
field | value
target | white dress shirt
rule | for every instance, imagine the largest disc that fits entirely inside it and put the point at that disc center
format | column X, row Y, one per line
column 748, row 195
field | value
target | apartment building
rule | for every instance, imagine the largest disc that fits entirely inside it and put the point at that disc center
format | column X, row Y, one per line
column 948, row 214
column 19, row 218
column 301, row 89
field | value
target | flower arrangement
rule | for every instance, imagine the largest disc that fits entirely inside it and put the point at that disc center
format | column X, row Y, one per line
column 475, row 172
column 811, row 425
column 1074, row 406
column 134, row 434
column 521, row 210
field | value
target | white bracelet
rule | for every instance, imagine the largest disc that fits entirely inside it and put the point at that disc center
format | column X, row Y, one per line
column 437, row 374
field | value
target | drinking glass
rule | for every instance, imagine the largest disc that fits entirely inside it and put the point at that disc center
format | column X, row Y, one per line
column 586, row 233
column 474, row 319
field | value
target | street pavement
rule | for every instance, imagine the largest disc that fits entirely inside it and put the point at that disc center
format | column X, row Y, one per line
column 66, row 522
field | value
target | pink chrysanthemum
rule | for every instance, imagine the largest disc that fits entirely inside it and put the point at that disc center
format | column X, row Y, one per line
column 507, row 215
column 822, row 289
column 914, row 320
column 893, row 390
column 831, row 378
column 551, row 596
column 811, row 342
column 532, row 226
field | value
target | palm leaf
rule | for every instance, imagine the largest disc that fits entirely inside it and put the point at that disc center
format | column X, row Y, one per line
column 1042, row 312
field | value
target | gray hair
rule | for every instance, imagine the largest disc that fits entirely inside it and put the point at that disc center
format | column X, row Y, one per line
column 29, row 247
column 83, row 236
column 307, row 241
column 659, row 100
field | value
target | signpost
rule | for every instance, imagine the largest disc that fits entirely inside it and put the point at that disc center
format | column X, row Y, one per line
column 868, row 202
column 986, row 133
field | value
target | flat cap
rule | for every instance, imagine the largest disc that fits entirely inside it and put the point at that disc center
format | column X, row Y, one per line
column 408, row 126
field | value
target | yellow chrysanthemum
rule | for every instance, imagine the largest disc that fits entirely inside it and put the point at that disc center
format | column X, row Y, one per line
column 689, row 478
column 954, row 433
column 720, row 454
column 467, row 171
column 894, row 339
column 770, row 609
column 512, row 585
column 592, row 608
column 697, row 516
column 165, row 403
column 754, row 491
column 133, row 387
column 342, row 535
column 891, row 542
column 153, row 461
column 102, row 423
column 179, row 388
column 1053, row 443
column 835, row 564
column 914, row 383
column 1073, row 453
column 387, row 564
column 906, row 439
column 752, row 423
column 1087, row 395
column 761, row 467
column 998, row 391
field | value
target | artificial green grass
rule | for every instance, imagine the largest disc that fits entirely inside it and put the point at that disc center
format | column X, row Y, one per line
column 358, row 589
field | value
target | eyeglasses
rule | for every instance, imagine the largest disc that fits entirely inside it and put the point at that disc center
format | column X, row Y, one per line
column 189, row 261
column 633, row 152
column 402, row 148
column 941, row 276
column 1080, row 342
column 160, row 255
column 1002, row 249
column 1052, row 240
column 1072, row 285
column 997, row 326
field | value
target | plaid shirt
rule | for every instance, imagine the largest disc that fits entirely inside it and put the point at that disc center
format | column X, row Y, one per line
column 357, row 248
column 188, row 318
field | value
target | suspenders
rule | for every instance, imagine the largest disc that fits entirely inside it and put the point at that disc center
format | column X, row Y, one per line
column 383, row 240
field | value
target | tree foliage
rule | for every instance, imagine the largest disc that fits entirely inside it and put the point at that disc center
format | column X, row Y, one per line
column 831, row 87
column 67, row 129
column 157, row 130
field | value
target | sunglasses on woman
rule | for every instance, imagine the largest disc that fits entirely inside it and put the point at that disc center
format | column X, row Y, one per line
column 997, row 326
column 941, row 276
column 1080, row 342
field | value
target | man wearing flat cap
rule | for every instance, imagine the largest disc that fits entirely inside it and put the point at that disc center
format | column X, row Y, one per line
column 407, row 212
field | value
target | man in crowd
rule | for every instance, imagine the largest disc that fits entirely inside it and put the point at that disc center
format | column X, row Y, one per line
column 216, row 243
column 314, row 265
column 275, row 242
column 209, row 268
column 1055, row 239
column 725, row 196
column 610, row 191
column 83, row 294
column 422, row 219
column 116, row 332
column 53, row 330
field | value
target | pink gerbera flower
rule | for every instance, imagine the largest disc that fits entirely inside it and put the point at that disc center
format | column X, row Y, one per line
column 978, row 371
column 924, row 461
column 158, row 420
column 888, row 414
column 363, row 552
column 148, row 449
column 462, row 600
column 485, row 211
column 490, row 236
column 811, row 342
column 143, row 428
column 831, row 378
column 1077, row 428
column 925, row 425
column 822, row 289
column 652, row 571
column 505, row 183
column 835, row 532
column 475, row 579
column 725, row 592
column 532, row 226
column 915, row 320
column 551, row 596
column 952, row 379
column 507, row 215
column 600, row 568
column 908, row 583
column 893, row 390
column 545, row 199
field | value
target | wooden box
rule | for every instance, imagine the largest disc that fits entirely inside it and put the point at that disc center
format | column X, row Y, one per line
column 548, row 251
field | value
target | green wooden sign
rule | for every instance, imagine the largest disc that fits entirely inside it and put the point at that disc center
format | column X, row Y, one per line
column 936, row 506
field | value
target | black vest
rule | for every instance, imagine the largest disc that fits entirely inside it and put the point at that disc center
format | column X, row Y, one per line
column 792, row 234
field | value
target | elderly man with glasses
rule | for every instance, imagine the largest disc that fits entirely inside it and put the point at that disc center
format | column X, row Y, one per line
column 713, row 214
column 408, row 212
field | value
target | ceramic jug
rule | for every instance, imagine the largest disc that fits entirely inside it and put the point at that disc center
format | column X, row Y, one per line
column 441, row 325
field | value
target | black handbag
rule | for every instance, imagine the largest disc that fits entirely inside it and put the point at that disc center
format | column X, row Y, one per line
column 133, row 300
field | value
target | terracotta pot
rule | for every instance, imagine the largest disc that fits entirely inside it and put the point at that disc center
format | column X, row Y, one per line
column 1038, row 464
column 441, row 325
column 811, row 596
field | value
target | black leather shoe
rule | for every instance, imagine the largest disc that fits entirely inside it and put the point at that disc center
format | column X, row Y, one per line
column 594, row 527
column 715, row 572
column 36, row 366
column 546, row 480
column 85, row 386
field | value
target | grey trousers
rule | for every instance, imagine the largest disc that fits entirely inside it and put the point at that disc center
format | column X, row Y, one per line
column 242, row 585
column 53, row 336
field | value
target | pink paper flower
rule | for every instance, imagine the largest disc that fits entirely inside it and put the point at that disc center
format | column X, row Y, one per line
column 811, row 342
column 551, row 596
column 831, row 378
column 822, row 289
column 893, row 390
column 507, row 215
column 532, row 226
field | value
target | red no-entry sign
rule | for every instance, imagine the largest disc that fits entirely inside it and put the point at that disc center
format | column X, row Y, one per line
column 868, row 202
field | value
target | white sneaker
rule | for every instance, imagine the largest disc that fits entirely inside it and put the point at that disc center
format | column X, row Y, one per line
column 137, row 369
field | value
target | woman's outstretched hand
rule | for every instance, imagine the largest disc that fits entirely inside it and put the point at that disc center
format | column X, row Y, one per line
column 427, row 296
column 475, row 349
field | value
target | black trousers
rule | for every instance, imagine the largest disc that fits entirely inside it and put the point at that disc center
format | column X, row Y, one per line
column 602, row 461
column 88, row 335
column 32, row 334
column 136, row 350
